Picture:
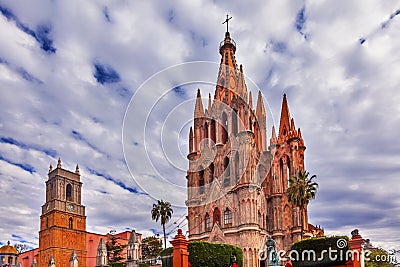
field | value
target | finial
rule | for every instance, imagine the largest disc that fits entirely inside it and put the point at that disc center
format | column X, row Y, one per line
column 8, row 242
column 77, row 169
column 59, row 163
column 50, row 168
column 227, row 22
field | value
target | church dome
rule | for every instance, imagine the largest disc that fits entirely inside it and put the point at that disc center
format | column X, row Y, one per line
column 7, row 249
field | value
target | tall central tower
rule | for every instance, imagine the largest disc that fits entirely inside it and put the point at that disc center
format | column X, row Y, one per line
column 63, row 220
column 237, row 184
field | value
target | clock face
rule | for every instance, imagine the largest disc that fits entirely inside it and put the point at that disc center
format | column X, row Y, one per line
column 71, row 207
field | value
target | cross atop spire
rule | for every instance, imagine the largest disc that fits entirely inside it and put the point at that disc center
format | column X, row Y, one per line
column 227, row 22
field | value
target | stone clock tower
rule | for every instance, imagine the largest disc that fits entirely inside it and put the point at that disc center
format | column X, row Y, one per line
column 63, row 220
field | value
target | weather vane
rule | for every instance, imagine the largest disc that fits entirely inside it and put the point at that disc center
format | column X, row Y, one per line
column 227, row 22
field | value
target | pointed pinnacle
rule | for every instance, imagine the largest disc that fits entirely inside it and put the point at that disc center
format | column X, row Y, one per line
column 250, row 100
column 260, row 110
column 198, row 110
column 209, row 102
column 273, row 133
column 285, row 117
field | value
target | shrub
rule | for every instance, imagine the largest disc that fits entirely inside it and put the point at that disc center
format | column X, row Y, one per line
column 305, row 256
column 167, row 251
column 213, row 255
column 166, row 261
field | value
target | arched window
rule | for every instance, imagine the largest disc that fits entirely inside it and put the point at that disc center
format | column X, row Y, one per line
column 288, row 170
column 227, row 217
column 224, row 128
column 234, row 122
column 212, row 131
column 237, row 174
column 262, row 173
column 211, row 173
column 70, row 223
column 250, row 125
column 217, row 216
column 227, row 172
column 47, row 222
column 206, row 130
column 207, row 222
column 68, row 192
column 201, row 180
column 281, row 173
column 260, row 219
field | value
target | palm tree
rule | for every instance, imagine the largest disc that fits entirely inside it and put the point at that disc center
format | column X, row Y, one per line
column 164, row 211
column 301, row 190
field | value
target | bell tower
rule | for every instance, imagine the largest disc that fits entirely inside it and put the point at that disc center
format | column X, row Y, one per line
column 63, row 220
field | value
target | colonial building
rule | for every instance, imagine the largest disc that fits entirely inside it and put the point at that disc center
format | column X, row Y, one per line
column 63, row 219
column 8, row 256
column 237, row 182
column 63, row 239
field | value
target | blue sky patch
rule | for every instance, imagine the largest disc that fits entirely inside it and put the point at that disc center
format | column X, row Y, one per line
column 25, row 167
column 41, row 35
column 300, row 20
column 16, row 236
column 119, row 183
column 279, row 47
column 135, row 143
column 179, row 91
column 171, row 15
column 27, row 76
column 12, row 141
column 106, row 14
column 105, row 74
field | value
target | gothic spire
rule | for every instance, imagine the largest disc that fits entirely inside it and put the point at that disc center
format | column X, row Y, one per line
column 250, row 100
column 191, row 140
column 228, row 72
column 284, row 125
column 292, row 126
column 198, row 109
column 273, row 137
column 260, row 109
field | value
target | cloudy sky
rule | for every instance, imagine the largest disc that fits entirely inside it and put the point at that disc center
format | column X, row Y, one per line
column 72, row 71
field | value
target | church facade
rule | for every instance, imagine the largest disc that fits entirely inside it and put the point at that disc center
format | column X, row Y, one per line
column 63, row 239
column 237, row 180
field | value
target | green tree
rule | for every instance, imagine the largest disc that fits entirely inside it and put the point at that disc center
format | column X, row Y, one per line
column 379, row 257
column 162, row 211
column 301, row 190
column 151, row 247
column 21, row 247
column 114, row 251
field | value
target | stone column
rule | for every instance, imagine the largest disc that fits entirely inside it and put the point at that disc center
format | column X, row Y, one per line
column 357, row 249
column 180, row 254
